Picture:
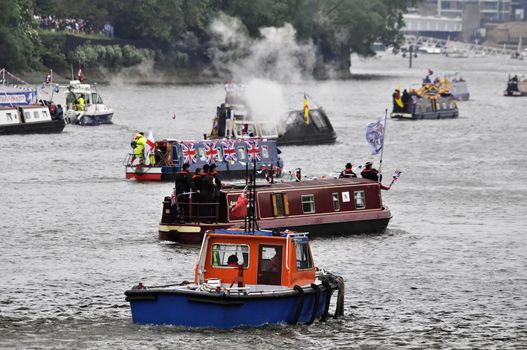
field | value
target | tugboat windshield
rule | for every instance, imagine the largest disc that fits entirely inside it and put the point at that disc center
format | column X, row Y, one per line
column 228, row 255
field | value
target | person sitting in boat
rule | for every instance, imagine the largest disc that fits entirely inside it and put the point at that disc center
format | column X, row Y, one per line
column 370, row 172
column 298, row 175
column 59, row 114
column 347, row 172
column 274, row 263
column 232, row 260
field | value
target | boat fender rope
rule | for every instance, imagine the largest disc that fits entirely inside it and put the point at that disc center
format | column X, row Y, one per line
column 316, row 303
column 339, row 310
column 329, row 292
column 300, row 305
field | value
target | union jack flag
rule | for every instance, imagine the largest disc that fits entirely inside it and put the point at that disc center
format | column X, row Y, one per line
column 173, row 199
column 211, row 152
column 229, row 151
column 189, row 153
column 253, row 150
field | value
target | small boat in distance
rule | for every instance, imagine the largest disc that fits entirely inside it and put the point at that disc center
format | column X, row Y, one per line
column 516, row 86
column 92, row 112
column 19, row 112
column 234, row 119
column 429, row 101
column 243, row 279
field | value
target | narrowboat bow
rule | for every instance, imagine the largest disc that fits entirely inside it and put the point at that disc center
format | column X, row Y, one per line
column 243, row 279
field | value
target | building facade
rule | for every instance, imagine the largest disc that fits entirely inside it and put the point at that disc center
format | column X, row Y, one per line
column 489, row 10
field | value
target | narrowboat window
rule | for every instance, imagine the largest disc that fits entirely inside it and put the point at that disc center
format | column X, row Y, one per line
column 241, row 152
column 201, row 153
column 265, row 151
column 280, row 204
column 303, row 256
column 45, row 113
column 35, row 115
column 9, row 116
column 345, row 197
column 222, row 252
column 308, row 203
column 27, row 116
column 360, row 199
column 336, row 202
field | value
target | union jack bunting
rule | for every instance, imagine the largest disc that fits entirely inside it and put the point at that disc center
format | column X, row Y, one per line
column 253, row 151
column 211, row 152
column 189, row 153
column 229, row 151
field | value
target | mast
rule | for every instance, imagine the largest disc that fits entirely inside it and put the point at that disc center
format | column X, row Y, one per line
column 383, row 136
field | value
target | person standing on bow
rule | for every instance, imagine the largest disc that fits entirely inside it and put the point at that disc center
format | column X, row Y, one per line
column 347, row 172
column 184, row 187
column 139, row 146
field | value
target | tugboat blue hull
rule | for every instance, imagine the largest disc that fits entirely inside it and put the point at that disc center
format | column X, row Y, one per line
column 212, row 310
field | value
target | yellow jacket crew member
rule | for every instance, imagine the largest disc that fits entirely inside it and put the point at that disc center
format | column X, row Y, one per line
column 80, row 103
column 139, row 146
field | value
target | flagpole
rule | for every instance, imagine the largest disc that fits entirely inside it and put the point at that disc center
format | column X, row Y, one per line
column 383, row 135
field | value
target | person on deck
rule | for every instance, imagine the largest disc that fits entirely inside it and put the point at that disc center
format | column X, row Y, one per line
column 406, row 100
column 184, row 186
column 347, row 172
column 232, row 260
column 80, row 103
column 139, row 146
column 427, row 80
column 217, row 180
column 206, row 194
column 370, row 172
column 196, row 179
column 59, row 114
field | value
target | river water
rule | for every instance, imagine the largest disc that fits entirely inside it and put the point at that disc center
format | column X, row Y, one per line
column 451, row 270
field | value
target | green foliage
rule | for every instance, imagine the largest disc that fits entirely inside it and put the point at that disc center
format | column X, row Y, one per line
column 19, row 42
column 112, row 56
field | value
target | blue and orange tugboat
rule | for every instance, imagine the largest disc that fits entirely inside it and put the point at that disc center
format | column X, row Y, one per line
column 243, row 278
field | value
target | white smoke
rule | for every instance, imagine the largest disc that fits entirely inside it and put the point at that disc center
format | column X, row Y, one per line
column 276, row 55
column 140, row 73
column 265, row 100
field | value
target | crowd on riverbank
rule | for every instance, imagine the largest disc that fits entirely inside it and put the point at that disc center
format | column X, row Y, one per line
column 73, row 25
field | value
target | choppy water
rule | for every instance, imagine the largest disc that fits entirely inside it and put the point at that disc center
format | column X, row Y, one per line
column 451, row 271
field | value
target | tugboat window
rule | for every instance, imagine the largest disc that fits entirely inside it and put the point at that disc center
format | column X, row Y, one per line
column 222, row 252
column 241, row 152
column 35, row 115
column 336, row 202
column 270, row 265
column 265, row 151
column 303, row 256
column 308, row 203
column 360, row 199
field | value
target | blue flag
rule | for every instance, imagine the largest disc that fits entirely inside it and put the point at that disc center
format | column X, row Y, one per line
column 375, row 135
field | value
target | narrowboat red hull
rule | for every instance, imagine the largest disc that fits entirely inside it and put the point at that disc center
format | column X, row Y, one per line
column 322, row 207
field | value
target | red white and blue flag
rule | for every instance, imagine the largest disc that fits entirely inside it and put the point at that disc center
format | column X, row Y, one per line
column 229, row 151
column 253, row 150
column 211, row 152
column 189, row 153
column 173, row 199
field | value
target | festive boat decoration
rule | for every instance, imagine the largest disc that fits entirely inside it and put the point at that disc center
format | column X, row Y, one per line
column 230, row 156
column 430, row 101
column 243, row 278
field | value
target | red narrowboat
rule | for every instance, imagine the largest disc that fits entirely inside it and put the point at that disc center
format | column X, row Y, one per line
column 322, row 207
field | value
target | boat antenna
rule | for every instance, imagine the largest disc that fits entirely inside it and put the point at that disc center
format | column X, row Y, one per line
column 250, row 183
column 383, row 137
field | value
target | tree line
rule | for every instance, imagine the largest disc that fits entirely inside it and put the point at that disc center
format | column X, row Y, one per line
column 177, row 30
